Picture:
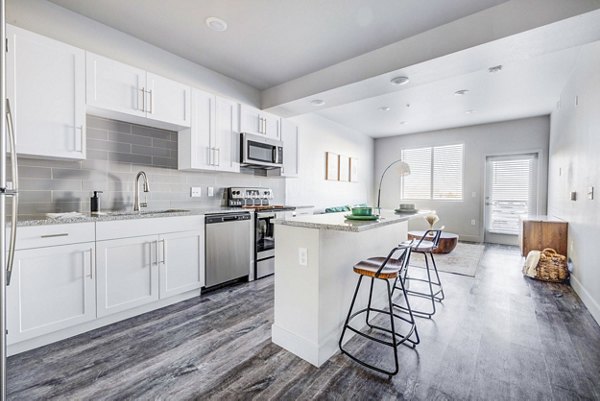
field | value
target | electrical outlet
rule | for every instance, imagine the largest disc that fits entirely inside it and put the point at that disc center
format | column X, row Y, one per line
column 196, row 192
column 473, row 222
column 210, row 191
column 303, row 256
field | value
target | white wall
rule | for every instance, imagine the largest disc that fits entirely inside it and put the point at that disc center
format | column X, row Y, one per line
column 317, row 136
column 575, row 166
column 518, row 136
column 59, row 23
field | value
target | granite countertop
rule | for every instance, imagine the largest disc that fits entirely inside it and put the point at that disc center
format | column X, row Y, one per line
column 40, row 220
column 337, row 221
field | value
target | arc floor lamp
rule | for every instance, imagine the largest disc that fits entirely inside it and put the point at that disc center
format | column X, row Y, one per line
column 402, row 168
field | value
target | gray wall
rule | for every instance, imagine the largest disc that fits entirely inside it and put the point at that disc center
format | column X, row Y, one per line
column 526, row 135
column 116, row 151
column 575, row 166
column 317, row 136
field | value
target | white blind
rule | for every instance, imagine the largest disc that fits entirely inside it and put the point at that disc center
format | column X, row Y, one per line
column 417, row 185
column 510, row 192
column 435, row 173
column 448, row 172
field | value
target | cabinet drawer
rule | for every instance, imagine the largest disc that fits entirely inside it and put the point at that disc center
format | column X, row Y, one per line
column 107, row 230
column 54, row 234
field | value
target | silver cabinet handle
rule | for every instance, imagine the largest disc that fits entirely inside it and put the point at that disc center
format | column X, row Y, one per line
column 91, row 262
column 151, row 102
column 164, row 251
column 143, row 90
column 218, row 152
column 14, row 193
column 54, row 235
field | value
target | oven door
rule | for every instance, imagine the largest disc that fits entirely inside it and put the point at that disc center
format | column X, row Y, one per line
column 265, row 244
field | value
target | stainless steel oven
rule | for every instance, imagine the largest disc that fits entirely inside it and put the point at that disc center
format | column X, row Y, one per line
column 260, row 152
column 265, row 243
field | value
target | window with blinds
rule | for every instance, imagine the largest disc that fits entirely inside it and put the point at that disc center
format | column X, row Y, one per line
column 510, row 192
column 435, row 173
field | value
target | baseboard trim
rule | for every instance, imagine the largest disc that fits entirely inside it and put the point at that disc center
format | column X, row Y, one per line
column 587, row 298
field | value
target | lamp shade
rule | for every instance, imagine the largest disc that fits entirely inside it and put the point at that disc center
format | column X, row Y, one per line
column 402, row 168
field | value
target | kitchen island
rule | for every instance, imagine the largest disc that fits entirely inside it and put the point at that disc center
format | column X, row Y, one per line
column 314, row 281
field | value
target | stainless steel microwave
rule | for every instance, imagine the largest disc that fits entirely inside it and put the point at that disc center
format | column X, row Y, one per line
column 260, row 152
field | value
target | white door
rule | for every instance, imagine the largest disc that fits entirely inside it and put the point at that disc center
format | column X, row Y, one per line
column 46, row 89
column 271, row 126
column 51, row 289
column 181, row 259
column 167, row 100
column 511, row 191
column 250, row 120
column 127, row 273
column 115, row 86
column 289, row 136
column 226, row 135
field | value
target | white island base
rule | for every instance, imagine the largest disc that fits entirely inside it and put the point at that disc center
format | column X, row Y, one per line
column 312, row 298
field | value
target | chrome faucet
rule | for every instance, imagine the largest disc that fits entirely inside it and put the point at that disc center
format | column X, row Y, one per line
column 136, row 202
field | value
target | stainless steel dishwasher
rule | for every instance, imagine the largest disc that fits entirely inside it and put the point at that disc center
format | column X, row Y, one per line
column 228, row 247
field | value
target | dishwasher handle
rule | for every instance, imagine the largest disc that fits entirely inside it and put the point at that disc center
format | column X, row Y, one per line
column 226, row 217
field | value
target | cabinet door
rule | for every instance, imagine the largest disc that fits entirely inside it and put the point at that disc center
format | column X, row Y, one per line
column 127, row 273
column 226, row 136
column 250, row 120
column 181, row 259
column 115, row 86
column 46, row 89
column 271, row 126
column 289, row 136
column 51, row 289
column 194, row 144
column 167, row 101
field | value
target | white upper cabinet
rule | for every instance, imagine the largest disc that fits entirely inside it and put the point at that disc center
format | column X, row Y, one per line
column 255, row 121
column 212, row 143
column 167, row 100
column 289, row 136
column 117, row 90
column 46, row 89
column 115, row 86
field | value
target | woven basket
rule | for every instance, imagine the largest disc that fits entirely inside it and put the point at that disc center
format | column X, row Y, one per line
column 552, row 266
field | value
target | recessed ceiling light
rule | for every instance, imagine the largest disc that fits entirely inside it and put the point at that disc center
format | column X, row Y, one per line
column 399, row 80
column 461, row 92
column 317, row 102
column 216, row 24
column 495, row 68
column 384, row 108
column 469, row 111
column 402, row 122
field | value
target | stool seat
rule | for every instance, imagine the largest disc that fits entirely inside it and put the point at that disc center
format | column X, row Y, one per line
column 422, row 246
column 370, row 266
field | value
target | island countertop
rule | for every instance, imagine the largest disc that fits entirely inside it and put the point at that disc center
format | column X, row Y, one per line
column 338, row 221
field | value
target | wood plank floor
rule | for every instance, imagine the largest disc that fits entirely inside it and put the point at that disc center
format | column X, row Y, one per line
column 497, row 336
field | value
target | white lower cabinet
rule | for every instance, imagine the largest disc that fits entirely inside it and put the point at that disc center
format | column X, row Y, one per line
column 52, row 288
column 181, row 257
column 127, row 273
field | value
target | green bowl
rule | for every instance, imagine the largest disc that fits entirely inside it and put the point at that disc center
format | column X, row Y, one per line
column 362, row 211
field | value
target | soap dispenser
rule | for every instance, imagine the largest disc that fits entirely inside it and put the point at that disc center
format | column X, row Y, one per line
column 95, row 202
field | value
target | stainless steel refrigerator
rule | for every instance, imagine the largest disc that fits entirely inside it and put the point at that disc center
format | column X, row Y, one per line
column 8, row 195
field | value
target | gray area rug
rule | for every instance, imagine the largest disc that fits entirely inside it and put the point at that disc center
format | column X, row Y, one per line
column 463, row 260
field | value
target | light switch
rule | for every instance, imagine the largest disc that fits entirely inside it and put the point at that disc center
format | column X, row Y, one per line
column 302, row 256
column 210, row 191
column 196, row 192
column 473, row 222
column 573, row 196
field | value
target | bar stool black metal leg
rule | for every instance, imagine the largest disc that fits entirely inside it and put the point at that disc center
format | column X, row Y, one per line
column 408, row 310
column 350, row 313
column 430, row 295
column 391, row 305
column 369, row 304
column 439, row 282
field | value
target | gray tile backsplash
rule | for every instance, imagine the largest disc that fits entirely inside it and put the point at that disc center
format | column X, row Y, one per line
column 116, row 151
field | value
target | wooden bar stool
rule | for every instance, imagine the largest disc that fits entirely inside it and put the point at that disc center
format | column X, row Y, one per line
column 383, row 268
column 425, row 246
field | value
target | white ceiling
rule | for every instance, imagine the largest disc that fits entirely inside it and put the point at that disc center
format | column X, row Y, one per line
column 344, row 51
column 269, row 42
